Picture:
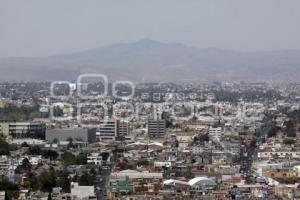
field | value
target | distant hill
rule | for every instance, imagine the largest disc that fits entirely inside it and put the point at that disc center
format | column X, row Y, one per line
column 150, row 60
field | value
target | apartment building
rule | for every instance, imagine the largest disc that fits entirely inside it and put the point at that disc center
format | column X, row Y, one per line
column 156, row 129
column 215, row 134
column 108, row 130
column 18, row 130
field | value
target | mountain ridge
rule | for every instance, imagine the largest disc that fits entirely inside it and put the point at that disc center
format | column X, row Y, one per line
column 150, row 60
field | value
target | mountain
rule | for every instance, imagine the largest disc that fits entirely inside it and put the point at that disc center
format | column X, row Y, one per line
column 149, row 60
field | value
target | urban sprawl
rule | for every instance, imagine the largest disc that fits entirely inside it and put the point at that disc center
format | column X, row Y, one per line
column 218, row 140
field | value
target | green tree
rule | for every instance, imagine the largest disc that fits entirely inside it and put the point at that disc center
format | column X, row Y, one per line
column 204, row 138
column 187, row 173
column 4, row 147
column 34, row 150
column 86, row 179
column 70, row 145
column 55, row 141
column 24, row 144
column 47, row 180
column 68, row 158
column 71, row 159
column 11, row 189
column 288, row 141
column 64, row 181
column 272, row 132
column 143, row 162
column 104, row 155
column 51, row 154
column 81, row 159
column 24, row 167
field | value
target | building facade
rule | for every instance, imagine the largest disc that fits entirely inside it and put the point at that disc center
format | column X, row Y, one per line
column 19, row 130
column 156, row 129
column 108, row 130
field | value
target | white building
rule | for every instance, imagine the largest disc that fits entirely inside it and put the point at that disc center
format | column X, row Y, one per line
column 108, row 130
column 34, row 160
column 278, row 154
column 2, row 195
column 94, row 159
column 197, row 150
column 203, row 181
column 82, row 192
column 133, row 174
column 6, row 166
column 162, row 164
column 215, row 134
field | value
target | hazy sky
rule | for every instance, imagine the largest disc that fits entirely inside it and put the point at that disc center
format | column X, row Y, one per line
column 45, row 27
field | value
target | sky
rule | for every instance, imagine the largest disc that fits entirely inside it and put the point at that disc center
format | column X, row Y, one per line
column 48, row 27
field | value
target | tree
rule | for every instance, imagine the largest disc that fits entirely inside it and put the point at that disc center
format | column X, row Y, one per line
column 24, row 144
column 288, row 141
column 86, row 179
column 143, row 162
column 70, row 145
column 11, row 189
column 104, row 155
column 272, row 132
column 290, row 128
column 68, row 158
column 204, row 138
column 64, row 182
column 253, row 142
column 47, row 180
column 34, row 150
column 32, row 181
column 51, row 154
column 291, row 132
column 57, row 111
column 55, row 141
column 71, row 159
column 4, row 147
column 81, row 159
column 188, row 173
column 93, row 171
column 24, row 167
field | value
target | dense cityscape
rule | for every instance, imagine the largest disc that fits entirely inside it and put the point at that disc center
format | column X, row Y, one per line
column 149, row 100
column 216, row 140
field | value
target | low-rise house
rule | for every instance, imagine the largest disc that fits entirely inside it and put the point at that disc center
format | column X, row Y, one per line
column 34, row 160
column 278, row 154
column 279, row 173
column 144, row 182
column 135, row 175
column 94, row 159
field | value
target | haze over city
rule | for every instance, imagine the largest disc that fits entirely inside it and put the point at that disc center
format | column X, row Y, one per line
column 149, row 99
column 39, row 28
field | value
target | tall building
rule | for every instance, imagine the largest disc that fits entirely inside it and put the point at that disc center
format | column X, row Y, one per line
column 4, row 127
column 76, row 134
column 123, row 130
column 19, row 130
column 108, row 130
column 156, row 128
